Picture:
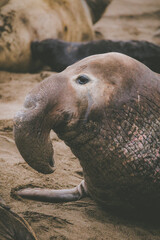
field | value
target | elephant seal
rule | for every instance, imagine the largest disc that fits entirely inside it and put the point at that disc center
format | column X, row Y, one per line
column 13, row 226
column 106, row 108
column 59, row 54
column 24, row 21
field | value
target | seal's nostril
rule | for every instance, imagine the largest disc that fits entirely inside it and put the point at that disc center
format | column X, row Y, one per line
column 30, row 102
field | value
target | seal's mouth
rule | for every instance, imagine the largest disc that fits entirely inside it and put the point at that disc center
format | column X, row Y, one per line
column 44, row 168
column 48, row 169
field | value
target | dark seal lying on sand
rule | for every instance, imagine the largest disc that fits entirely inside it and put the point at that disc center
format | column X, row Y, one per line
column 58, row 54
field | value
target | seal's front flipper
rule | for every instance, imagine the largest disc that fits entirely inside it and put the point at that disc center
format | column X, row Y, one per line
column 55, row 196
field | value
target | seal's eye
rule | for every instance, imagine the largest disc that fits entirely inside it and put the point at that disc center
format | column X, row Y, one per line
column 82, row 79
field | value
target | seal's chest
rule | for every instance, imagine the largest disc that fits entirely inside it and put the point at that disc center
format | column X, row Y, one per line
column 142, row 151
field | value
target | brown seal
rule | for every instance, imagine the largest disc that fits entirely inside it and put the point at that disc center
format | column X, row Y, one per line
column 29, row 20
column 107, row 110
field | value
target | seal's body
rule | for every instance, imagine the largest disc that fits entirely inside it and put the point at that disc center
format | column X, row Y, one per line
column 107, row 110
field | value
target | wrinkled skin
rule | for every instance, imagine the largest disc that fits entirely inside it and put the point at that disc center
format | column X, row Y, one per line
column 22, row 22
column 12, row 226
column 107, row 110
column 58, row 54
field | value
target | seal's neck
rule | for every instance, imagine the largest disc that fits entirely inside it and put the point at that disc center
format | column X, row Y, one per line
column 125, row 141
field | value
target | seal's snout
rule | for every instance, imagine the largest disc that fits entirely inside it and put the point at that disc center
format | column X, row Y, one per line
column 31, row 132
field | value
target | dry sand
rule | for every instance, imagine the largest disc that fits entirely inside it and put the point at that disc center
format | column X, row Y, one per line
column 124, row 19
